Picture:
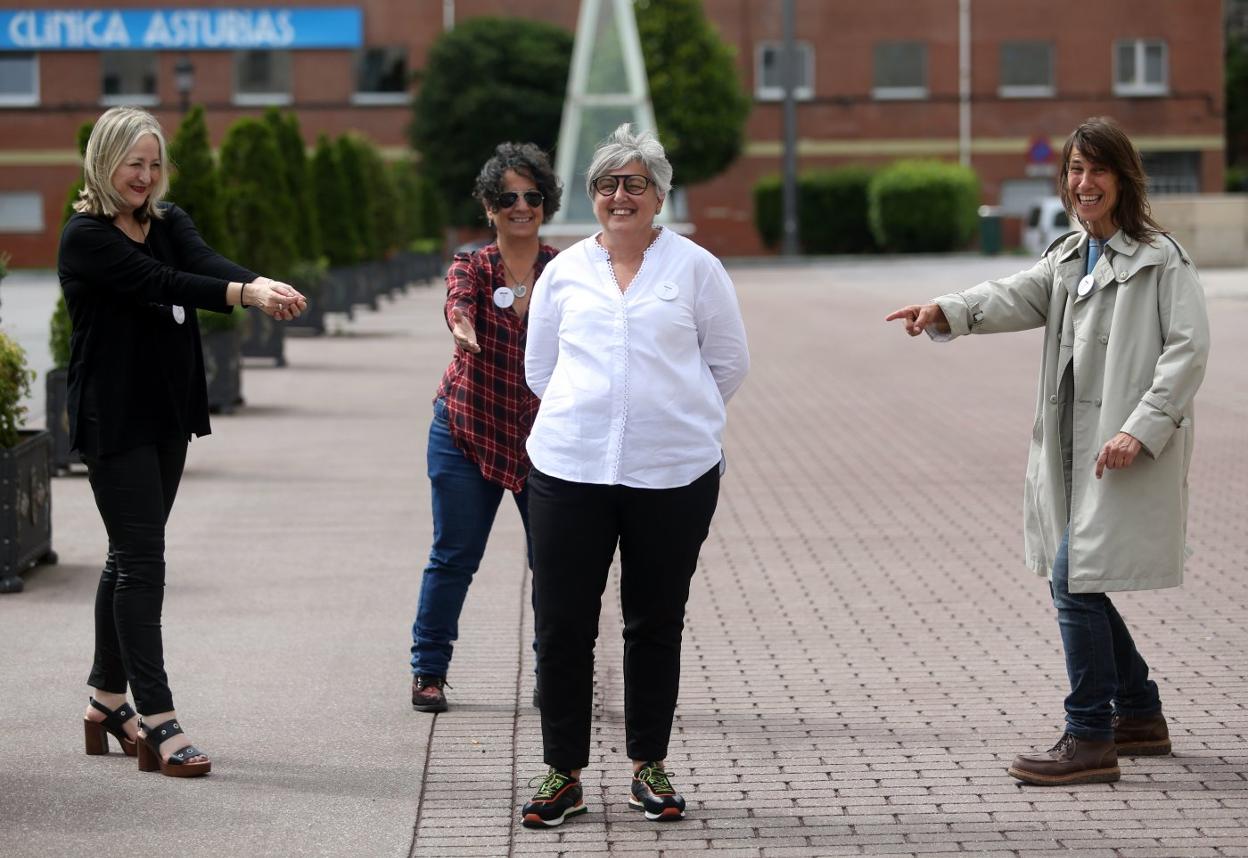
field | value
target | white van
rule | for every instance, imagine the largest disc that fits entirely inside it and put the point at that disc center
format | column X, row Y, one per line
column 1046, row 221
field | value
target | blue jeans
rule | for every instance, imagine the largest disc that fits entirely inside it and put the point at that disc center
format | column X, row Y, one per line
column 1107, row 674
column 464, row 505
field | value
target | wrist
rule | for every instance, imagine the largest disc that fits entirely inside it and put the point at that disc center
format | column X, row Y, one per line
column 242, row 295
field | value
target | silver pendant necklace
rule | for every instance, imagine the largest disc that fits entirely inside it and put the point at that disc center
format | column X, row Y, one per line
column 520, row 289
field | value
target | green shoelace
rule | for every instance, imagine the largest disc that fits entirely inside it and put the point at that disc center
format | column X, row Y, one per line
column 551, row 784
column 655, row 778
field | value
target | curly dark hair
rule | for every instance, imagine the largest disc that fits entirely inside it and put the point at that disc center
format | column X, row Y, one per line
column 527, row 160
column 1102, row 141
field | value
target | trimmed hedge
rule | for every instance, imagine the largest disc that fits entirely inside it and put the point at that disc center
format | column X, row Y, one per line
column 924, row 206
column 832, row 210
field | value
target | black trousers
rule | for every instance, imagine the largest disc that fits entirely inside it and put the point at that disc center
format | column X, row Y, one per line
column 134, row 492
column 575, row 529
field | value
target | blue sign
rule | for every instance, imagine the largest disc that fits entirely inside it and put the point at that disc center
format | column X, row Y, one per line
column 181, row 29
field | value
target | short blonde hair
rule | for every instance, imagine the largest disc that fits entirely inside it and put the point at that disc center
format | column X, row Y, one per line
column 114, row 135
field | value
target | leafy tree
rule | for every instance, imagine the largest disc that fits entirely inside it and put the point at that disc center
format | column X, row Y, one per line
column 487, row 80
column 84, row 134
column 195, row 185
column 259, row 221
column 381, row 202
column 340, row 237
column 699, row 104
column 296, row 174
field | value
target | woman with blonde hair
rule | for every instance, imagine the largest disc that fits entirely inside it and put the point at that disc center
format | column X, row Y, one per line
column 134, row 270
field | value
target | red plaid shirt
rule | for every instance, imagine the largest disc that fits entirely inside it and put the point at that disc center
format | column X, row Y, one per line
column 490, row 407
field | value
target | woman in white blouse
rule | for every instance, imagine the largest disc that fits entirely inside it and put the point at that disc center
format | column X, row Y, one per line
column 635, row 344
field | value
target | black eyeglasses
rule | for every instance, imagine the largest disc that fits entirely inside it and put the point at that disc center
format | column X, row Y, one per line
column 634, row 185
column 507, row 199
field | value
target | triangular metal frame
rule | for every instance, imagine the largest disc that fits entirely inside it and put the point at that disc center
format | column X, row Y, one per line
column 634, row 94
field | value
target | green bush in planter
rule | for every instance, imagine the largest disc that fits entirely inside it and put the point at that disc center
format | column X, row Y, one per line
column 60, row 329
column 340, row 238
column 15, row 379
column 924, row 206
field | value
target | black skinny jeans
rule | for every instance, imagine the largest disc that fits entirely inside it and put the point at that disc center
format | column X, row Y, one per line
column 575, row 528
column 134, row 492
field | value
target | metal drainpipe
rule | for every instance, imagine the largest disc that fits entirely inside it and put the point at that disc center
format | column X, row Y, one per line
column 964, row 82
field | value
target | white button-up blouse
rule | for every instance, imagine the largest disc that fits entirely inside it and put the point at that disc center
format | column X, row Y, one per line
column 633, row 384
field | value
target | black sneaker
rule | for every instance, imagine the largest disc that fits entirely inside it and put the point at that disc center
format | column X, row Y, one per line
column 653, row 793
column 427, row 694
column 557, row 798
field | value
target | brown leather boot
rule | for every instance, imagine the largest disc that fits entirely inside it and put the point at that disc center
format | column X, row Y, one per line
column 1142, row 737
column 1070, row 761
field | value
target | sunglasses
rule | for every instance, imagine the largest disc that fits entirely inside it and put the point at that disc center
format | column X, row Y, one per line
column 507, row 199
column 634, row 185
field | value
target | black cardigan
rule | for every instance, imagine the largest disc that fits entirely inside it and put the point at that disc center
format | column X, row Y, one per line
column 136, row 376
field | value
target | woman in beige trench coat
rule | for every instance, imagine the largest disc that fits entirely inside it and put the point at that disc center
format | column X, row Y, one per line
column 1105, row 504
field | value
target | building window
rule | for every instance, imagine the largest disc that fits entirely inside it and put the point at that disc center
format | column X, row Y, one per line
column 900, row 70
column 19, row 79
column 381, row 76
column 128, row 77
column 1141, row 67
column 1172, row 172
column 21, row 211
column 1027, row 70
column 768, row 79
column 262, row 77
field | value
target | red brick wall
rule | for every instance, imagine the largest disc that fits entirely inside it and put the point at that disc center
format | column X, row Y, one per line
column 844, row 34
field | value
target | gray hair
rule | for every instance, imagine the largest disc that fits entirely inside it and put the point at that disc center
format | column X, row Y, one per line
column 621, row 148
column 115, row 133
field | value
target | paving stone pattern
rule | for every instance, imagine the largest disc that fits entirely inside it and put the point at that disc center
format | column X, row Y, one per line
column 864, row 651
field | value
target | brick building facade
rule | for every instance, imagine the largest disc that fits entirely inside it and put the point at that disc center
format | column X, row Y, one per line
column 877, row 82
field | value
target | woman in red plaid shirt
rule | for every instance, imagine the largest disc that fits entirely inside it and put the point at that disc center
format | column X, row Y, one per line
column 483, row 409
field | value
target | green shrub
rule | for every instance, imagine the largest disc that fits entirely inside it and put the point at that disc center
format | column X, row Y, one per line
column 340, row 238
column 15, row 379
column 924, row 206
column 84, row 134
column 768, row 209
column 832, row 208
column 296, row 180
column 196, row 184
column 259, row 215
column 60, row 329
column 1236, row 180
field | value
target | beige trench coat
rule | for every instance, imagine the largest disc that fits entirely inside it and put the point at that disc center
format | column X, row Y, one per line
column 1141, row 340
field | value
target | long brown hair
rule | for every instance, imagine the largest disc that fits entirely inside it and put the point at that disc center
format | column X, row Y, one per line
column 1101, row 141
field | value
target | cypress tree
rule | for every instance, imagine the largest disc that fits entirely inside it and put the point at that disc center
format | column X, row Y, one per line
column 358, row 195
column 339, row 234
column 84, row 134
column 261, row 227
column 296, row 175
column 195, row 184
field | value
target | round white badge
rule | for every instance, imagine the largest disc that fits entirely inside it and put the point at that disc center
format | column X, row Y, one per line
column 504, row 297
column 667, row 290
column 1086, row 284
column 179, row 314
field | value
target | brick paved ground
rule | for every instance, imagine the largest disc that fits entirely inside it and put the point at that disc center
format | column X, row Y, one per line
column 864, row 651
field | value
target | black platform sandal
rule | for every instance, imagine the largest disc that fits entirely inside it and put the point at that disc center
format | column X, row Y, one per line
column 96, row 732
column 176, row 766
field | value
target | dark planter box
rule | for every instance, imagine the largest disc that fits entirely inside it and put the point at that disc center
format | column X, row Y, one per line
column 223, row 369
column 264, row 337
column 56, row 397
column 338, row 291
column 366, row 284
column 25, row 508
